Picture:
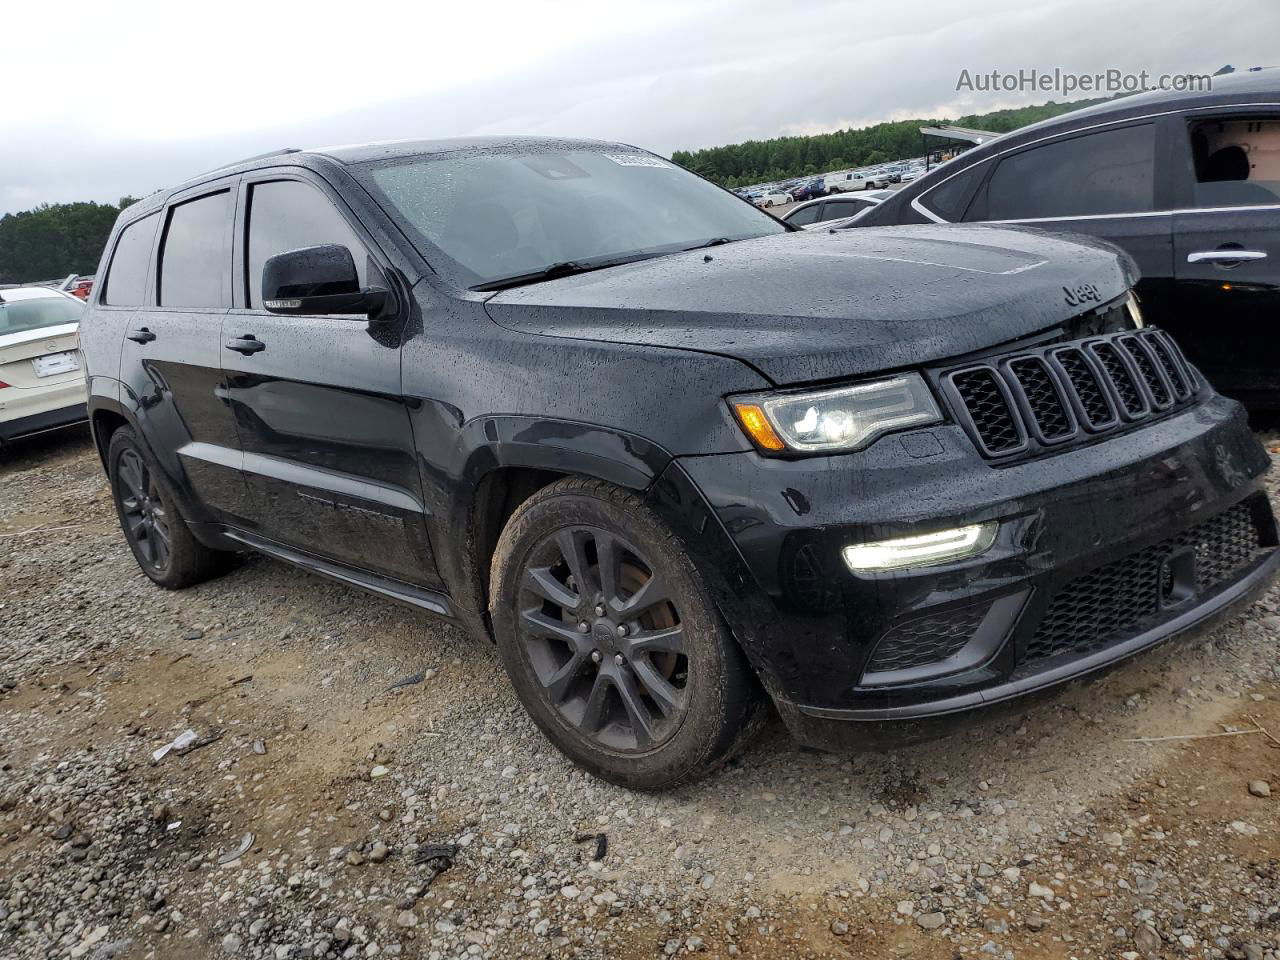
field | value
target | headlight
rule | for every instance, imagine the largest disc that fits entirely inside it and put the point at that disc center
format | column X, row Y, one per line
column 841, row 419
column 1135, row 311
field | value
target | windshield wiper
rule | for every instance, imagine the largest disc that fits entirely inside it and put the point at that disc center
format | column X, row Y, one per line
column 566, row 268
column 716, row 242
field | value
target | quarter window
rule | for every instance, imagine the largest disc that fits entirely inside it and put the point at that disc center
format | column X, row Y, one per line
column 193, row 261
column 285, row 215
column 126, row 281
column 1101, row 173
column 951, row 198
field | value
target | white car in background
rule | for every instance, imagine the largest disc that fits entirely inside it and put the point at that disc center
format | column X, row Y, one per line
column 828, row 211
column 855, row 180
column 773, row 198
column 42, row 382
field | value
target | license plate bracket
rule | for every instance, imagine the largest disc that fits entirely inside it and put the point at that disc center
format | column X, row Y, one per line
column 53, row 364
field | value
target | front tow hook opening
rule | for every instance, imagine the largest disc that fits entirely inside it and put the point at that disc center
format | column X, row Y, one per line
column 1178, row 578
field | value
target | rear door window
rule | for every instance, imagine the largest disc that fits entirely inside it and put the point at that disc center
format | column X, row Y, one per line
column 805, row 215
column 286, row 215
column 1110, row 172
column 126, row 281
column 1236, row 161
column 835, row 209
column 194, row 265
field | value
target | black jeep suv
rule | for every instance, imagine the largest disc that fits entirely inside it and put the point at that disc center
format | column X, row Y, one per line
column 662, row 448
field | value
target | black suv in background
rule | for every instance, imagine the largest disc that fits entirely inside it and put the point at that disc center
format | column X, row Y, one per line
column 662, row 448
column 1187, row 183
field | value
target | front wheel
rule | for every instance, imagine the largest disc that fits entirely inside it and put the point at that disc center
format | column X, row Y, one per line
column 612, row 642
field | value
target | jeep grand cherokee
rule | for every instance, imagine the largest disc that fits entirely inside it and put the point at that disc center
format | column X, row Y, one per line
column 672, row 455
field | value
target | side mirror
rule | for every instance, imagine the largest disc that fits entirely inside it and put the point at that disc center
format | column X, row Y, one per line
column 317, row 280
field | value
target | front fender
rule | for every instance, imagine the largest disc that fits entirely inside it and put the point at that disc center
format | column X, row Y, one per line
column 492, row 449
column 566, row 446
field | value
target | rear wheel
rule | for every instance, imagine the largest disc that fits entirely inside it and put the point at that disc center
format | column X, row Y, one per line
column 611, row 641
column 155, row 531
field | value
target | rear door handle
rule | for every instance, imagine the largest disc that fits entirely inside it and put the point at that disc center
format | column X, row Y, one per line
column 141, row 335
column 247, row 344
column 1225, row 256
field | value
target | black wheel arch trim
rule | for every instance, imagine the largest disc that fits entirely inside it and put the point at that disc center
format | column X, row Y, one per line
column 738, row 595
column 495, row 442
column 172, row 473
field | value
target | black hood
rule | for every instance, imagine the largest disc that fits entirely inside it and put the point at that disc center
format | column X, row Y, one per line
column 822, row 304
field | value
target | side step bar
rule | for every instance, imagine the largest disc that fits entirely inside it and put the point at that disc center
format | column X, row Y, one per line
column 406, row 593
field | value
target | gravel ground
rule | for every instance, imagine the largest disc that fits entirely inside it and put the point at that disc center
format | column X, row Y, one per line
column 323, row 813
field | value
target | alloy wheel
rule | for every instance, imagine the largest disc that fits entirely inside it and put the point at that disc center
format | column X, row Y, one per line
column 146, row 520
column 604, row 638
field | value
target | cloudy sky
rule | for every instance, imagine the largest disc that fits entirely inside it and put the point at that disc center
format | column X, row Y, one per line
column 138, row 95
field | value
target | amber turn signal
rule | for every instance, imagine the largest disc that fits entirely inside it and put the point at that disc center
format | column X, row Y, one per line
column 757, row 426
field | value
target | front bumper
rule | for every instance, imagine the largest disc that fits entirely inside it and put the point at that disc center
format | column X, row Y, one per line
column 1104, row 550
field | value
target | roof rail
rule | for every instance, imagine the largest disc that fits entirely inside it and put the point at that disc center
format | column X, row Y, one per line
column 257, row 156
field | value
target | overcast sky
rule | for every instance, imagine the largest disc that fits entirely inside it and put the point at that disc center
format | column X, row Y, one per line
column 106, row 99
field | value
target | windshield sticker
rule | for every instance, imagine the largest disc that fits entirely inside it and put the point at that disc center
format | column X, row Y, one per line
column 637, row 160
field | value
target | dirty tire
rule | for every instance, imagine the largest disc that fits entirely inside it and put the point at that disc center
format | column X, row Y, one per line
column 715, row 711
column 165, row 550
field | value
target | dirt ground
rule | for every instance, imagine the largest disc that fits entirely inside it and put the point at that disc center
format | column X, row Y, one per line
column 325, row 811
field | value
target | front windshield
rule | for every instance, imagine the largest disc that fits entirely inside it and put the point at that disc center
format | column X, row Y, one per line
column 498, row 215
column 33, row 313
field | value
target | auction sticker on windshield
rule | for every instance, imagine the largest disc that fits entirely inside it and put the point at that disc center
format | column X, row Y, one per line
column 637, row 160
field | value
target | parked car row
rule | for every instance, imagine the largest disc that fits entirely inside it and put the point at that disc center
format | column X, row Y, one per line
column 797, row 191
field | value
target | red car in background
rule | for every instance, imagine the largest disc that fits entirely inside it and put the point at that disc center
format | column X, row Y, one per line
column 80, row 287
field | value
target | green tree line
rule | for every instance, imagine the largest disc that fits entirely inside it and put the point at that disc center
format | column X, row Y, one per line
column 55, row 239
column 757, row 161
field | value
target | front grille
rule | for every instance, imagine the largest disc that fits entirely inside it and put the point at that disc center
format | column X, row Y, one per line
column 1029, row 401
column 927, row 640
column 988, row 406
column 1150, row 376
column 1166, row 357
column 1094, row 402
column 1121, row 378
column 1047, row 409
column 1123, row 598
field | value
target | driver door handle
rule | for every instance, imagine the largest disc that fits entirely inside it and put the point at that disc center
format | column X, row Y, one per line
column 247, row 344
column 1225, row 256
